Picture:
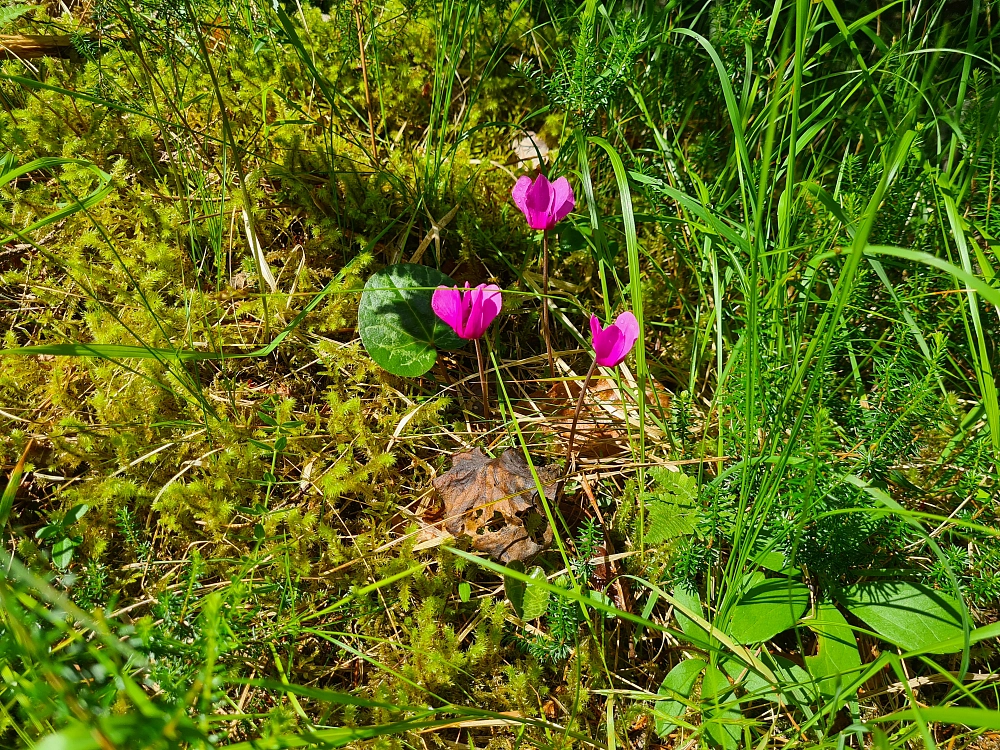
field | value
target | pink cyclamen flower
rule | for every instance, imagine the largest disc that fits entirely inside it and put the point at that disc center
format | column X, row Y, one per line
column 468, row 312
column 612, row 344
column 543, row 203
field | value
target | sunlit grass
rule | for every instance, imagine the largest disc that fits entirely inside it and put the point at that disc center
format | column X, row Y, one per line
column 798, row 201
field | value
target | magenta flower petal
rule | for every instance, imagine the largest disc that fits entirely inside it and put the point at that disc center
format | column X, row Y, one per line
column 629, row 327
column 612, row 344
column 595, row 327
column 539, row 198
column 607, row 347
column 520, row 193
column 543, row 203
column 492, row 301
column 469, row 312
column 472, row 315
column 562, row 200
column 485, row 306
column 447, row 305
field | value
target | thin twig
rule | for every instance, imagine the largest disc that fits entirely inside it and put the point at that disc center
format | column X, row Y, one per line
column 482, row 382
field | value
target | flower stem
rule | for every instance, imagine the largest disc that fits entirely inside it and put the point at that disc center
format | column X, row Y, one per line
column 483, row 384
column 576, row 413
column 546, row 331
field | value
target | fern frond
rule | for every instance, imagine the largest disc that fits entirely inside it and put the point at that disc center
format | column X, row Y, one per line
column 672, row 509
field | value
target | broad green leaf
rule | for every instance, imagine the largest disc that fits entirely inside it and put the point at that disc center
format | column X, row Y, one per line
column 955, row 644
column 768, row 608
column 536, row 599
column 720, row 710
column 837, row 658
column 464, row 591
column 793, row 682
column 678, row 683
column 529, row 601
column 75, row 513
column 689, row 598
column 909, row 615
column 397, row 325
column 775, row 561
column 62, row 550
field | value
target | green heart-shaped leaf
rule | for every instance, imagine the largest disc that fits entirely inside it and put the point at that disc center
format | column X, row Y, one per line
column 397, row 325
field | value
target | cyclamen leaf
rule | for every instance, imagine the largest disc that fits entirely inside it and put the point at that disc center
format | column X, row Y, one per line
column 397, row 325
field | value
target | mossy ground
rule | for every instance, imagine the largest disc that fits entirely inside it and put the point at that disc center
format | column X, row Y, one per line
column 232, row 503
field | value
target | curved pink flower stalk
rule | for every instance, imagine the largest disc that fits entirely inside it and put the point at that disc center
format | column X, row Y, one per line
column 469, row 312
column 611, row 346
column 544, row 204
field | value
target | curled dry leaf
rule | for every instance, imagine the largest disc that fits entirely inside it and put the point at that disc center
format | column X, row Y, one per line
column 495, row 502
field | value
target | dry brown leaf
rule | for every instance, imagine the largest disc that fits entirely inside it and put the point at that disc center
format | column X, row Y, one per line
column 495, row 503
column 640, row 723
column 601, row 432
column 550, row 709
